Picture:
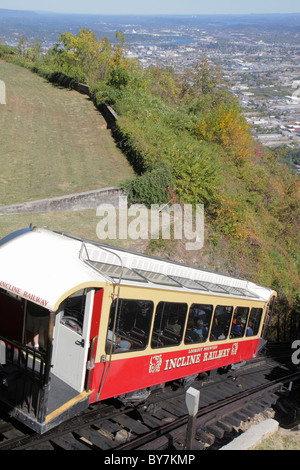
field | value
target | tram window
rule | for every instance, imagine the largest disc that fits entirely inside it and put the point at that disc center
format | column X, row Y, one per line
column 37, row 325
column 132, row 325
column 73, row 311
column 221, row 323
column 239, row 322
column 254, row 321
column 11, row 317
column 198, row 323
column 169, row 324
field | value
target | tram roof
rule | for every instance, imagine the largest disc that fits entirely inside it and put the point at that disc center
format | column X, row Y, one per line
column 45, row 267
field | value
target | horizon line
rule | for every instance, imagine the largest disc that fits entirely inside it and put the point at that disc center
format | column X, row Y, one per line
column 150, row 14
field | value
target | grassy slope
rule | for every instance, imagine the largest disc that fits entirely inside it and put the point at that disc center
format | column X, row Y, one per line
column 80, row 223
column 53, row 141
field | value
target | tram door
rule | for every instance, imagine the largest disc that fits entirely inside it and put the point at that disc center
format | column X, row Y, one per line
column 71, row 339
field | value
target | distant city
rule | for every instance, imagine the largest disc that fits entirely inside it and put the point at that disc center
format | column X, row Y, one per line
column 259, row 55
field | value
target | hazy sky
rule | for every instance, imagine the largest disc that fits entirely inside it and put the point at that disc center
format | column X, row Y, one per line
column 171, row 7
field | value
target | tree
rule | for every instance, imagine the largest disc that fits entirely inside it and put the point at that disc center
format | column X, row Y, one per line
column 22, row 46
column 226, row 125
column 204, row 79
column 35, row 53
column 119, row 48
column 83, row 56
column 164, row 83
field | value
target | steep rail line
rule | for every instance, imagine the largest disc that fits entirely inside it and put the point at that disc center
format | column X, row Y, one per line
column 222, row 408
column 161, row 422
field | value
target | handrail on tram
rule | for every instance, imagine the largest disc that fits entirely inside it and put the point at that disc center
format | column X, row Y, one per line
column 113, row 330
column 118, row 284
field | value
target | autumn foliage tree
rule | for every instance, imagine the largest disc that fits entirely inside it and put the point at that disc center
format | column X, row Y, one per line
column 226, row 126
column 83, row 56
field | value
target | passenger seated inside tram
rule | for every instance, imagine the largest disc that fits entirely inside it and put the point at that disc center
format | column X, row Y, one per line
column 249, row 331
column 174, row 326
column 190, row 333
column 200, row 329
column 221, row 322
column 37, row 324
column 236, row 328
column 119, row 344
column 216, row 330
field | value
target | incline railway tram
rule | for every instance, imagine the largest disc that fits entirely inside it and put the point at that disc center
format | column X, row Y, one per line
column 81, row 322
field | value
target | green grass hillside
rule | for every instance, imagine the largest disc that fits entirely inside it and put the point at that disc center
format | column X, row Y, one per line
column 53, row 141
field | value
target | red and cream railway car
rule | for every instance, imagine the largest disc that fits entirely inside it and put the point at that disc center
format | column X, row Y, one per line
column 82, row 322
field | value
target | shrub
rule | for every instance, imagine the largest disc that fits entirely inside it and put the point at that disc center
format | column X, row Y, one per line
column 153, row 187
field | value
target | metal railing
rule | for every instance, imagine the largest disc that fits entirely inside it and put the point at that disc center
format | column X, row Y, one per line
column 23, row 378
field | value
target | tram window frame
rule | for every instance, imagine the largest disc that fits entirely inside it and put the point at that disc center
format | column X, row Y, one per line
column 257, row 322
column 239, row 322
column 166, row 333
column 221, row 332
column 193, row 333
column 73, row 314
column 129, row 335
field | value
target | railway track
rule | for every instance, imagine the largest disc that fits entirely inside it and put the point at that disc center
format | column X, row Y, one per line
column 160, row 423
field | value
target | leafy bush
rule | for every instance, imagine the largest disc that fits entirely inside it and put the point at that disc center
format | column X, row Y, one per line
column 6, row 51
column 60, row 78
column 153, row 187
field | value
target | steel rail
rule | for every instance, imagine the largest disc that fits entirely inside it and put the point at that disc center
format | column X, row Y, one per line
column 253, row 392
column 103, row 411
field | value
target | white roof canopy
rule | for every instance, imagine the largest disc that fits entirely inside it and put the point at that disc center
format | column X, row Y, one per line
column 46, row 267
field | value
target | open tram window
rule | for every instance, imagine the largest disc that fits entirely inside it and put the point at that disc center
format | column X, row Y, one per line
column 198, row 323
column 254, row 321
column 239, row 322
column 169, row 324
column 73, row 311
column 221, row 323
column 11, row 317
column 132, row 325
column 37, row 325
